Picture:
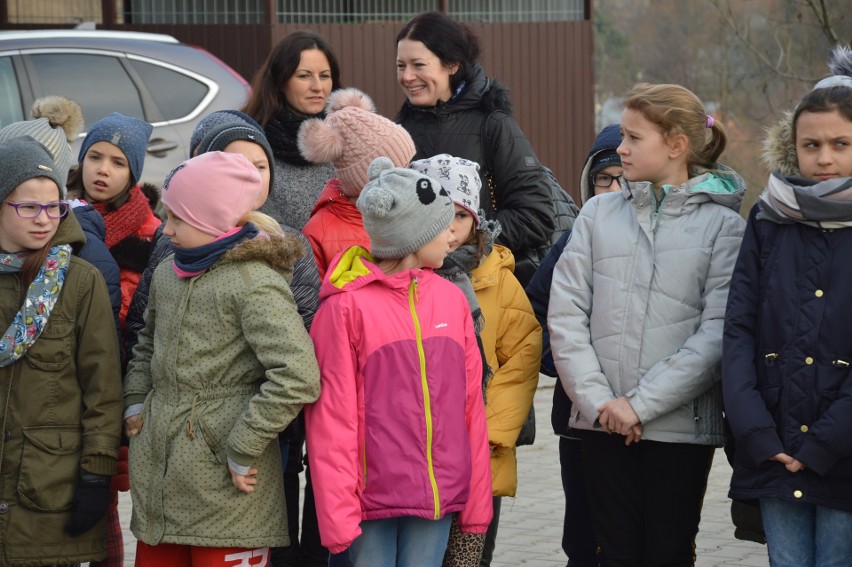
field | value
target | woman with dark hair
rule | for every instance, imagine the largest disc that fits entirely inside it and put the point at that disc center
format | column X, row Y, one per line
column 291, row 86
column 454, row 108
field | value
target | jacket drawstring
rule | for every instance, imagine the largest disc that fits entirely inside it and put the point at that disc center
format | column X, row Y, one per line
column 189, row 432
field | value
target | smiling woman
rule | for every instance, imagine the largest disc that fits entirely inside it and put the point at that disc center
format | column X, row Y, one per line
column 452, row 107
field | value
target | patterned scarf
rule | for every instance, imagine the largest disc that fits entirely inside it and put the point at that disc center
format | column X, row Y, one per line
column 282, row 132
column 190, row 262
column 42, row 295
column 127, row 219
column 822, row 204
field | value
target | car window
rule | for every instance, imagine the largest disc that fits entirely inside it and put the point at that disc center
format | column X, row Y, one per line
column 10, row 96
column 175, row 94
column 98, row 83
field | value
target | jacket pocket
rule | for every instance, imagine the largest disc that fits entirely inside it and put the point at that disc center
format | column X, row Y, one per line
column 212, row 442
column 49, row 467
column 768, row 379
column 53, row 349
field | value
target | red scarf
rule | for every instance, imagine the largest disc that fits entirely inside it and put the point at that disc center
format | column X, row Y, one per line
column 127, row 219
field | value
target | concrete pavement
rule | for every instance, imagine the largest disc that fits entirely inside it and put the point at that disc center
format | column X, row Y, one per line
column 531, row 523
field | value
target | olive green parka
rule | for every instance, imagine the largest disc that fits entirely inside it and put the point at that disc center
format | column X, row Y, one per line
column 60, row 411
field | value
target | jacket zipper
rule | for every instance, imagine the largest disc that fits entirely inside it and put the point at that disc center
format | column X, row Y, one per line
column 657, row 205
column 412, row 299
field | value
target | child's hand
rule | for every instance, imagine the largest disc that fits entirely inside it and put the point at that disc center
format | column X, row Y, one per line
column 244, row 482
column 133, row 425
column 617, row 416
column 791, row 464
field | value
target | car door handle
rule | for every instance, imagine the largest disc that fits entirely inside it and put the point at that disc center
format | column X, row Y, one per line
column 161, row 146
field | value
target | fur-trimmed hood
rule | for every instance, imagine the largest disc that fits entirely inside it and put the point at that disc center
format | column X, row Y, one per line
column 779, row 148
column 281, row 251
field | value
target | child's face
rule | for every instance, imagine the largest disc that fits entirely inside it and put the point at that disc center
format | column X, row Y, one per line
column 19, row 234
column 461, row 227
column 255, row 154
column 824, row 145
column 613, row 172
column 182, row 234
column 106, row 172
column 645, row 153
column 432, row 255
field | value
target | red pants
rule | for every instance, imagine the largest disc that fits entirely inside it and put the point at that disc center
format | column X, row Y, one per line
column 173, row 555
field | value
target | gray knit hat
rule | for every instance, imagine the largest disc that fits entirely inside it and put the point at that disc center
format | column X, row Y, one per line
column 459, row 176
column 56, row 122
column 128, row 134
column 21, row 159
column 220, row 128
column 403, row 210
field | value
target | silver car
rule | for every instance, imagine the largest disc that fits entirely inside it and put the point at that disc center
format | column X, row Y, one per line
column 154, row 77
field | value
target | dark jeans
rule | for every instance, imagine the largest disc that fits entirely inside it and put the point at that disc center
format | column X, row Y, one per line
column 645, row 498
column 578, row 539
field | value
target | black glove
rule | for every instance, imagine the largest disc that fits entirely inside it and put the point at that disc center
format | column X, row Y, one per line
column 90, row 503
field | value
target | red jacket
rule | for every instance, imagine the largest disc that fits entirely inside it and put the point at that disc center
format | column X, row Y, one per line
column 335, row 225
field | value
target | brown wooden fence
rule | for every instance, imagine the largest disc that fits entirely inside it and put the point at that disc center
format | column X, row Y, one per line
column 547, row 65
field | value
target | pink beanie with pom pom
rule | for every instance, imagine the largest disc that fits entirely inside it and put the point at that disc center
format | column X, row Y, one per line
column 351, row 137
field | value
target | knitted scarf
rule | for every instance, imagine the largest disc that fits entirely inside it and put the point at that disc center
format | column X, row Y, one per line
column 822, row 204
column 127, row 219
column 42, row 295
column 282, row 132
column 457, row 268
column 190, row 262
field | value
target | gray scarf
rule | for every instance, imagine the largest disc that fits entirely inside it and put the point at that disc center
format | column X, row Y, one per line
column 821, row 204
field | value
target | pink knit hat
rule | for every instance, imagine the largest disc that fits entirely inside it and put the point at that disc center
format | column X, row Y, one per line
column 213, row 191
column 351, row 137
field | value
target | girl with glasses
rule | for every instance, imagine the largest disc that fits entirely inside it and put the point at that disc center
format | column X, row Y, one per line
column 60, row 368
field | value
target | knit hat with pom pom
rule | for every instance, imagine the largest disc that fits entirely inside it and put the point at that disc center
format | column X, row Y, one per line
column 403, row 209
column 351, row 136
column 56, row 122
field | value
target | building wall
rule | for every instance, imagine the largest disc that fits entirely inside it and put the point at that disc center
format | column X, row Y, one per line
column 547, row 65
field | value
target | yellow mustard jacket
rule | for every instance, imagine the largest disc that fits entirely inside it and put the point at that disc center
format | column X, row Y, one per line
column 512, row 342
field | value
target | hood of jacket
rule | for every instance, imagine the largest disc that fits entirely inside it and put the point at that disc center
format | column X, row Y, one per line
column 354, row 268
column 91, row 221
column 488, row 272
column 779, row 147
column 721, row 185
column 607, row 139
column 280, row 251
column 69, row 232
column 480, row 92
column 333, row 200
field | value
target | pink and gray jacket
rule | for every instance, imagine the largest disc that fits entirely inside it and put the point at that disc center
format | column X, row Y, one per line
column 399, row 428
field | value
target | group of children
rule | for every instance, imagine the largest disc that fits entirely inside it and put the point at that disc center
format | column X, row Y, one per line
column 417, row 370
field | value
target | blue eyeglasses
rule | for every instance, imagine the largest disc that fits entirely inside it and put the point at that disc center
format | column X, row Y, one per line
column 30, row 210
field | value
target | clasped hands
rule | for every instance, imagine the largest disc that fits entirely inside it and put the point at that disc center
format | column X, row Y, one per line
column 618, row 416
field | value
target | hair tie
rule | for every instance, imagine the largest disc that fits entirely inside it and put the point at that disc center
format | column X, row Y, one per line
column 710, row 121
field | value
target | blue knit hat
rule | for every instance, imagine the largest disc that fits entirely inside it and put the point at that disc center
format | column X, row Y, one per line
column 128, row 134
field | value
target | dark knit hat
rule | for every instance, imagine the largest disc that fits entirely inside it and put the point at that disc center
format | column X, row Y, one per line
column 128, row 134
column 603, row 154
column 403, row 210
column 220, row 128
column 22, row 159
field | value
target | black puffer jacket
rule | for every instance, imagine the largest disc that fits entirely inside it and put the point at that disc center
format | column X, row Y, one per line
column 521, row 193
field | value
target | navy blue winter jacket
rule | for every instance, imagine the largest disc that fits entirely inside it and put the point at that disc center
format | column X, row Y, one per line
column 787, row 355
column 95, row 252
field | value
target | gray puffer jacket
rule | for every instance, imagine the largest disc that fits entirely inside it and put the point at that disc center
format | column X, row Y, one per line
column 638, row 303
